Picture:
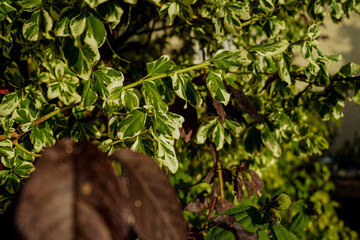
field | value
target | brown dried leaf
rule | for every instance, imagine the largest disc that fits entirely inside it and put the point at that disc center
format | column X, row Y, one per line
column 213, row 199
column 249, row 187
column 256, row 181
column 73, row 194
column 210, row 176
column 243, row 103
column 198, row 205
column 228, row 222
column 220, row 111
column 238, row 188
column 227, row 176
column 241, row 167
column 223, row 204
column 154, row 201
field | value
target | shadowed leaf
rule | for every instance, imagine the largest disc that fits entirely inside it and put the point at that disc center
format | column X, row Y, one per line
column 210, row 176
column 223, row 204
column 238, row 188
column 213, row 199
column 256, row 181
column 249, row 187
column 228, row 222
column 153, row 200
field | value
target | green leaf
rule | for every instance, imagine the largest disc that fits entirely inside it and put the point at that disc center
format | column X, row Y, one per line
column 81, row 59
column 29, row 4
column 168, row 124
column 22, row 115
column 248, row 216
column 6, row 150
column 88, row 94
column 23, row 169
column 203, row 131
column 335, row 9
column 83, row 131
column 271, row 49
column 218, row 136
column 314, row 31
column 130, row 98
column 94, row 3
column 111, row 12
column 3, row 176
column 299, row 222
column 138, row 145
column 225, row 59
column 65, row 90
column 132, row 124
column 283, row 65
column 165, row 153
column 214, row 83
column 236, row 127
column 153, row 98
column 219, row 233
column 12, row 183
column 9, row 103
column 95, row 33
column 307, row 53
column 103, row 79
column 31, row 28
column 349, row 69
column 232, row 24
column 267, row 5
column 270, row 141
column 13, row 75
column 62, row 28
column 159, row 66
column 42, row 136
column 77, row 25
column 184, row 89
column 239, row 9
column 279, row 233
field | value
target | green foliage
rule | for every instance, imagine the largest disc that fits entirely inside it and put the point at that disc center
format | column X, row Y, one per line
column 63, row 74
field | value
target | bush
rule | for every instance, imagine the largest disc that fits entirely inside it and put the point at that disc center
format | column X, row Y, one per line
column 208, row 89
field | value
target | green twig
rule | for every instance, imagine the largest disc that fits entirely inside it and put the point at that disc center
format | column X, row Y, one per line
column 148, row 79
column 249, row 22
column 112, row 50
column 15, row 142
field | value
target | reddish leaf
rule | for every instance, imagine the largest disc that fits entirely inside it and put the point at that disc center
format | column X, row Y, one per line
column 220, row 111
column 227, row 176
column 1, row 166
column 5, row 91
column 198, row 205
column 213, row 153
column 73, row 194
column 238, row 188
column 249, row 187
column 210, row 176
column 244, row 104
column 154, row 201
column 228, row 222
column 241, row 167
column 256, row 181
column 213, row 199
column 223, row 204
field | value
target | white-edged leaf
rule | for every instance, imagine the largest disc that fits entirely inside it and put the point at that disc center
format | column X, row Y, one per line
column 159, row 66
column 215, row 85
column 111, row 12
column 283, row 67
column 165, row 154
column 225, row 59
column 132, row 124
column 184, row 89
column 203, row 131
column 31, row 28
column 77, row 25
column 130, row 98
column 9, row 103
column 271, row 49
column 94, row 3
column 95, row 33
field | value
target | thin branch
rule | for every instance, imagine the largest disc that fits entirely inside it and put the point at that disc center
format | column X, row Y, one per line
column 113, row 51
column 148, row 79
column 356, row 78
column 221, row 179
column 15, row 142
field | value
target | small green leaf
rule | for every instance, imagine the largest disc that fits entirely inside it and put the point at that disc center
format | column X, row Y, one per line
column 62, row 28
column 283, row 65
column 299, row 222
column 23, row 168
column 218, row 135
column 349, row 69
column 153, row 98
column 270, row 141
column 138, row 145
column 82, row 131
column 88, row 94
column 267, row 5
column 6, row 150
column 22, row 115
column 232, row 24
column 234, row 126
column 214, row 83
column 159, row 66
column 165, row 153
column 279, row 233
column 95, row 33
column 130, row 98
column 111, row 12
column 271, row 49
column 225, row 59
column 132, row 124
column 168, row 124
column 252, row 140
column 31, row 28
column 9, row 103
column 12, row 183
column 29, row 4
column 314, row 31
column 94, row 3
column 184, row 89
column 307, row 53
column 42, row 136
column 203, row 131
column 77, row 25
